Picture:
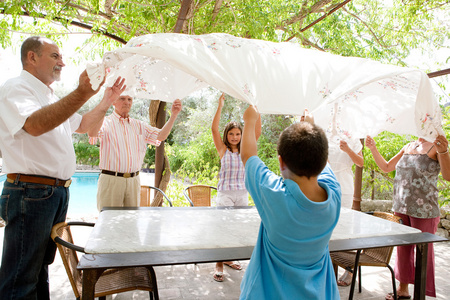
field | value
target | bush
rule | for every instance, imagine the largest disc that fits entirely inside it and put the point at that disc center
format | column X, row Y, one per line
column 149, row 158
column 197, row 159
column 87, row 154
column 267, row 152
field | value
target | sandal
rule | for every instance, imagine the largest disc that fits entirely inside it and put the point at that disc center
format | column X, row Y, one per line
column 345, row 279
column 218, row 276
column 233, row 265
column 390, row 296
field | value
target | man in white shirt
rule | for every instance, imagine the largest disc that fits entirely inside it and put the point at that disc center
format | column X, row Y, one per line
column 38, row 155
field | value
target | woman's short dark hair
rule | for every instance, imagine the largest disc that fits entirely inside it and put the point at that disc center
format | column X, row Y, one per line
column 304, row 149
column 228, row 127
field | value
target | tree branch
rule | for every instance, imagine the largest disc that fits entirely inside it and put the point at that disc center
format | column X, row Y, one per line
column 325, row 15
column 379, row 42
column 304, row 12
column 216, row 9
column 84, row 9
column 74, row 23
column 185, row 5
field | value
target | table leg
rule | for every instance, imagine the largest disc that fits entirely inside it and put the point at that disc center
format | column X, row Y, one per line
column 355, row 273
column 154, row 282
column 90, row 277
column 420, row 280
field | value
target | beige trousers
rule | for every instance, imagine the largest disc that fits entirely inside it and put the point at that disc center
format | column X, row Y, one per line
column 118, row 191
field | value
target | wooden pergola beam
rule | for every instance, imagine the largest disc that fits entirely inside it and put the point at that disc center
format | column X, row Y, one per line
column 439, row 73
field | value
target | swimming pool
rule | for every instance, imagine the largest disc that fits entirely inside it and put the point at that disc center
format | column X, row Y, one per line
column 83, row 194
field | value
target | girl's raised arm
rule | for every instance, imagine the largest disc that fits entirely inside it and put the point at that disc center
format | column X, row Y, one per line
column 220, row 146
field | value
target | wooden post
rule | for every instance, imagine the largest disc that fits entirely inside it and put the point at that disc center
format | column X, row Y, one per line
column 358, row 186
column 357, row 192
column 372, row 183
column 159, row 152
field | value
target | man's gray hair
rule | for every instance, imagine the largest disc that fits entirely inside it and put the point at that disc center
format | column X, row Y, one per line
column 33, row 43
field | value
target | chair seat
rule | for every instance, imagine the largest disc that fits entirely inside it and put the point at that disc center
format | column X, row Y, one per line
column 346, row 260
column 375, row 257
column 123, row 280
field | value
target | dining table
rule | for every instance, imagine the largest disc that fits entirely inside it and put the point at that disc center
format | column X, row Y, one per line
column 159, row 236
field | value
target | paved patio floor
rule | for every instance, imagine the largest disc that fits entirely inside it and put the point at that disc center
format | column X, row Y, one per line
column 196, row 282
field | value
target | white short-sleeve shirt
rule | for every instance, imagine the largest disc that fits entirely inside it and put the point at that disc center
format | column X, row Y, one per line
column 342, row 164
column 50, row 154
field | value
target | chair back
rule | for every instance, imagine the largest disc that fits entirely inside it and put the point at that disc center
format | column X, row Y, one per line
column 61, row 231
column 111, row 281
column 383, row 254
column 199, row 195
column 146, row 197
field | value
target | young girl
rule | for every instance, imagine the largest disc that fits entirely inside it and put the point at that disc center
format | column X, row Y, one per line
column 231, row 188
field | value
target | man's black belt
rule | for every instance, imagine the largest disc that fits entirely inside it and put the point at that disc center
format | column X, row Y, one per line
column 125, row 175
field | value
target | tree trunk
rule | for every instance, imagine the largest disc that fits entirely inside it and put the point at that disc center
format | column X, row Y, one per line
column 156, row 112
column 157, row 117
column 163, row 184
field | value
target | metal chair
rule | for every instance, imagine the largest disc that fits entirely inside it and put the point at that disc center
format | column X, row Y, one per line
column 146, row 195
column 111, row 281
column 375, row 257
column 199, row 195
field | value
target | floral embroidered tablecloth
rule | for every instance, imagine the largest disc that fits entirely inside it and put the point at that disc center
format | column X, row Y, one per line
column 349, row 97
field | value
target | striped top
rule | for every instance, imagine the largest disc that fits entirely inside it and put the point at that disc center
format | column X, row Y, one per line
column 123, row 143
column 231, row 175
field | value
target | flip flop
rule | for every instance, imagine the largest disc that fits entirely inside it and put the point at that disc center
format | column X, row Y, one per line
column 390, row 296
column 235, row 266
column 345, row 281
column 218, row 276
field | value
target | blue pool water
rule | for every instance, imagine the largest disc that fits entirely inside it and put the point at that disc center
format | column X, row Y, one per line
column 83, row 194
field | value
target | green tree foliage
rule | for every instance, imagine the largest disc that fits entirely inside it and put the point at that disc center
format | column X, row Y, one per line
column 382, row 30
column 198, row 157
column 149, row 158
column 267, row 151
column 86, row 154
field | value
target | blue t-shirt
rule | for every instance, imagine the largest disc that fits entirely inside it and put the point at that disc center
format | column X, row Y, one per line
column 291, row 259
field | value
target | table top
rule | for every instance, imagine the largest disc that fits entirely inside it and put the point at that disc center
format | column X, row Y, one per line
column 198, row 228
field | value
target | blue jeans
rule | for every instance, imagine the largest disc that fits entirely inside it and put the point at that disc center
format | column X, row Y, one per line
column 29, row 210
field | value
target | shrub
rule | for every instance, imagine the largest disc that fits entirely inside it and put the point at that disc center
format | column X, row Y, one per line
column 87, row 154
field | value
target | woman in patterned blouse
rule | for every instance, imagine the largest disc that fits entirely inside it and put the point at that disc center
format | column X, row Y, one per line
column 415, row 199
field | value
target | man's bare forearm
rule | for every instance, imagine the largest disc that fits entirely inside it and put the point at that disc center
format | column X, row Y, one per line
column 165, row 131
column 94, row 130
column 53, row 115
column 92, row 121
